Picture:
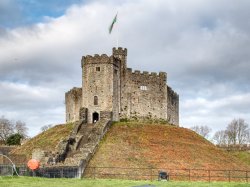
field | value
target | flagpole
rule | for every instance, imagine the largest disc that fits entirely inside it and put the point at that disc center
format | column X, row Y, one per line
column 117, row 39
column 117, row 34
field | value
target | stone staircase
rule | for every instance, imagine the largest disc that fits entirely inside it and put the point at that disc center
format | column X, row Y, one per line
column 82, row 144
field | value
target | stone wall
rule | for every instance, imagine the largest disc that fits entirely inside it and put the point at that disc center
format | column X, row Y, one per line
column 38, row 154
column 73, row 101
column 173, row 106
column 106, row 115
column 83, row 114
column 146, row 95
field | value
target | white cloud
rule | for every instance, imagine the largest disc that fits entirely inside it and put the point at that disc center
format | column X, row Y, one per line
column 216, row 112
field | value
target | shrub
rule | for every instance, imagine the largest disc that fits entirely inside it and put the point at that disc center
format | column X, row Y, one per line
column 14, row 139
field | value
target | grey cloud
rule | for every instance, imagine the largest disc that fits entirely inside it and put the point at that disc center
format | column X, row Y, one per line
column 203, row 46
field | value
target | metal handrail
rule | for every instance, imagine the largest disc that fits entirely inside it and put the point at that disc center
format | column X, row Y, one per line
column 14, row 166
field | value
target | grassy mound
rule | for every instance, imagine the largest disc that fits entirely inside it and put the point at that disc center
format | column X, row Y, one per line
column 47, row 140
column 160, row 146
column 244, row 156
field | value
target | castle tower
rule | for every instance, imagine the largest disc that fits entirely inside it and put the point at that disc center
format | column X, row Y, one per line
column 120, row 54
column 99, row 85
column 73, row 102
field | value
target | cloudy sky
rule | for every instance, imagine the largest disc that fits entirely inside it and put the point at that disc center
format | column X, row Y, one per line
column 204, row 46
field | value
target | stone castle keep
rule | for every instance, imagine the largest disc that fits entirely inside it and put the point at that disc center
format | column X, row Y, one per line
column 112, row 91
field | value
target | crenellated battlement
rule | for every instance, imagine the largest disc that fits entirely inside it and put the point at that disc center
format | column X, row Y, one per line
column 119, row 51
column 160, row 75
column 74, row 91
column 129, row 70
column 88, row 59
column 172, row 93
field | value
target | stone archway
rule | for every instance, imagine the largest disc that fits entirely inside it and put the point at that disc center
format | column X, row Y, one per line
column 95, row 117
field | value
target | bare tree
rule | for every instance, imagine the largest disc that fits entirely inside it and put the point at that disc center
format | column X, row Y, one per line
column 46, row 127
column 220, row 138
column 20, row 128
column 238, row 132
column 196, row 128
column 202, row 130
column 6, row 128
column 248, row 138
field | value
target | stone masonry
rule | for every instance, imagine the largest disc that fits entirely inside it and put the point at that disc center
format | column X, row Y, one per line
column 112, row 91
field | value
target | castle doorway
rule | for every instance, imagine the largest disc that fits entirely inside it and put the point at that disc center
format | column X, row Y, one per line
column 95, row 117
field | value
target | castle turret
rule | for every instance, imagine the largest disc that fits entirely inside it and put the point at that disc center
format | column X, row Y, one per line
column 73, row 101
column 119, row 51
column 121, row 54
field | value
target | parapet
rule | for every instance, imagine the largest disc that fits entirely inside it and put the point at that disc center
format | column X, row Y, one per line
column 120, row 51
column 172, row 93
column 153, row 74
column 74, row 90
column 161, row 75
column 137, row 72
column 129, row 70
column 88, row 59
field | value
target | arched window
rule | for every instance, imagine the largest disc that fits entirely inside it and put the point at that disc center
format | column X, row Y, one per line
column 95, row 100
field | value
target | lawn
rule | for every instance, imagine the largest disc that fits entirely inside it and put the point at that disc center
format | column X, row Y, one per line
column 45, row 182
column 244, row 156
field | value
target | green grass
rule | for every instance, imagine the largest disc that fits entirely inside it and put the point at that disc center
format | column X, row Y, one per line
column 45, row 182
column 244, row 156
column 46, row 140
